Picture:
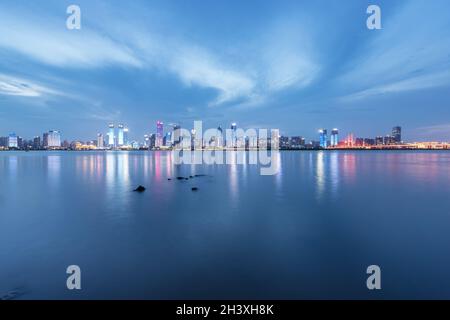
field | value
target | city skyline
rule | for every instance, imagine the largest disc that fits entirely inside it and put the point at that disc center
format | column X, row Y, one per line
column 172, row 137
column 297, row 67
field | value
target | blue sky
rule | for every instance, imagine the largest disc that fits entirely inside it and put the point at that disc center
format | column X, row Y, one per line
column 294, row 65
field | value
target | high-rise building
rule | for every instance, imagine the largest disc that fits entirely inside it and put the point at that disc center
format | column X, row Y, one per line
column 219, row 138
column 159, row 134
column 233, row 135
column 111, row 136
column 3, row 142
column 275, row 139
column 45, row 140
column 176, row 137
column 54, row 139
column 167, row 141
column 388, row 140
column 37, row 143
column 397, row 134
column 152, row 141
column 334, row 137
column 120, row 140
column 126, row 140
column 100, row 141
column 323, row 138
column 146, row 141
column 13, row 141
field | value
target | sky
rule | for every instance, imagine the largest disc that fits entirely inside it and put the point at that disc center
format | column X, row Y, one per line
column 294, row 65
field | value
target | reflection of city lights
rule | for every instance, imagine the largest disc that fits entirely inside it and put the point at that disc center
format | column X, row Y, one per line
column 320, row 174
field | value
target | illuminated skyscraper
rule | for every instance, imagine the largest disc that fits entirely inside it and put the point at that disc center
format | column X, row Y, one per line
column 13, row 141
column 159, row 134
column 397, row 134
column 334, row 137
column 323, row 138
column 111, row 136
column 167, row 141
column 54, row 139
column 233, row 135
column 120, row 140
column 126, row 140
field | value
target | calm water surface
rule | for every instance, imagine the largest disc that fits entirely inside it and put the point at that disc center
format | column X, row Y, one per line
column 308, row 232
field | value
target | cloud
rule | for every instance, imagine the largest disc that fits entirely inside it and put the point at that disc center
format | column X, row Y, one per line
column 12, row 86
column 289, row 56
column 428, row 81
column 49, row 42
column 285, row 55
column 196, row 66
column 409, row 53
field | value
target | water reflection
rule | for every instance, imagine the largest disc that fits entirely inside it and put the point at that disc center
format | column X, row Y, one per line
column 320, row 175
column 334, row 173
column 53, row 169
column 349, row 167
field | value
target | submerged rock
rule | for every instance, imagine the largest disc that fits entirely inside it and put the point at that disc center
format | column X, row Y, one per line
column 140, row 189
column 11, row 295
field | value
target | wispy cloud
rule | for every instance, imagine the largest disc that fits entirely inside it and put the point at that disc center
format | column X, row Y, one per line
column 12, row 86
column 196, row 66
column 285, row 56
column 50, row 43
column 409, row 53
column 423, row 82
column 289, row 58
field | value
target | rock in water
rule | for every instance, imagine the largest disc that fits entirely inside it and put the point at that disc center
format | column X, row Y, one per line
column 140, row 189
column 194, row 189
